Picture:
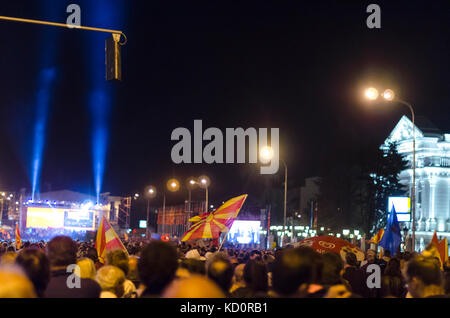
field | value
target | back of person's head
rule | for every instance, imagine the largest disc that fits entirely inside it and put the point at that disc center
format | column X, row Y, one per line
column 62, row 251
column 387, row 253
column 92, row 254
column 8, row 258
column 255, row 276
column 392, row 286
column 87, row 268
column 220, row 271
column 118, row 258
column 111, row 279
column 157, row 266
column 332, row 267
column 195, row 286
column 317, row 262
column 350, row 259
column 291, row 269
column 15, row 284
column 36, row 266
column 393, row 268
column 420, row 273
column 193, row 266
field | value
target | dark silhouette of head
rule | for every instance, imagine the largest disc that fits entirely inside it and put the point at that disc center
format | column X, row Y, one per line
column 62, row 251
column 350, row 259
column 332, row 267
column 37, row 268
column 157, row 266
column 255, row 276
column 220, row 271
column 292, row 268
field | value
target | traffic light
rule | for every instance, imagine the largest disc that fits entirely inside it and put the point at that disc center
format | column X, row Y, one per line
column 113, row 58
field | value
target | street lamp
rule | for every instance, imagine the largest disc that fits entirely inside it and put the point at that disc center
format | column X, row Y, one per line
column 204, row 182
column 173, row 186
column 266, row 154
column 389, row 95
column 150, row 192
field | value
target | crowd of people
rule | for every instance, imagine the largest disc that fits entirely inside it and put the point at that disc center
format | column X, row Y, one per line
column 171, row 270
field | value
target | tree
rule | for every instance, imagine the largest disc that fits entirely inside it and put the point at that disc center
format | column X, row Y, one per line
column 355, row 191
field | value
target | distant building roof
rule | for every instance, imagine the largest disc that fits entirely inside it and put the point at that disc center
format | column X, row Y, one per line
column 427, row 127
column 67, row 195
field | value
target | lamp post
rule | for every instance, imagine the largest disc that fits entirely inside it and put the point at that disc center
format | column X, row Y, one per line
column 389, row 95
column 266, row 155
column 173, row 186
column 150, row 192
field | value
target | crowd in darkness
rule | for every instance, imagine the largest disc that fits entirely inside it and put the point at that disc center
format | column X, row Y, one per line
column 179, row 270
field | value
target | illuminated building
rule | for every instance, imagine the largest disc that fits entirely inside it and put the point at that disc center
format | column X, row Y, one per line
column 432, row 176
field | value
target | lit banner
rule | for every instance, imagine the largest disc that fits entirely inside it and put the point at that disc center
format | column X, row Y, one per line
column 402, row 208
column 55, row 218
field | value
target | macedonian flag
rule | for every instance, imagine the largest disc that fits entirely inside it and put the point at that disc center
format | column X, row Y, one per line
column 107, row 240
column 210, row 225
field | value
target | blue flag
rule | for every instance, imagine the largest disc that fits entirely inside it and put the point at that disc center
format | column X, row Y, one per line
column 392, row 236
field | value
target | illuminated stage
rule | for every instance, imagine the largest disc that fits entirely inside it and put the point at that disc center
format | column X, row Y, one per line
column 71, row 213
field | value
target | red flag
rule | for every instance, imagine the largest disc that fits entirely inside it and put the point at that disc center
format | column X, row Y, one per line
column 107, row 240
column 210, row 225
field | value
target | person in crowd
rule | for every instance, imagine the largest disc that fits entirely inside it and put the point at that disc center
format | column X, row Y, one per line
column 87, row 268
column 36, row 266
column 354, row 275
column 255, row 255
column 220, row 271
column 291, row 274
column 394, row 277
column 238, row 278
column 111, row 280
column 8, row 258
column 119, row 258
column 424, row 278
column 157, row 267
column 191, row 267
column 256, row 281
column 195, row 286
column 14, row 283
column 62, row 253
column 93, row 255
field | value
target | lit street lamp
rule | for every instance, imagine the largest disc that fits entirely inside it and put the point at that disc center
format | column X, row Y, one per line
column 173, row 186
column 389, row 95
column 150, row 192
column 266, row 154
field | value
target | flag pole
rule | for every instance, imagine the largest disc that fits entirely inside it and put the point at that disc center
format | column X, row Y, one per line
column 220, row 247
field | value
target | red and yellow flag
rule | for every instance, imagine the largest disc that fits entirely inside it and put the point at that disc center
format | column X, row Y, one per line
column 18, row 240
column 210, row 225
column 377, row 237
column 107, row 240
column 441, row 247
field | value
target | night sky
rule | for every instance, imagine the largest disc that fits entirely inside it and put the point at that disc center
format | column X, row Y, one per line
column 298, row 66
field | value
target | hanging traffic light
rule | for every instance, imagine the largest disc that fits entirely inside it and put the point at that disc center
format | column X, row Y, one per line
column 113, row 58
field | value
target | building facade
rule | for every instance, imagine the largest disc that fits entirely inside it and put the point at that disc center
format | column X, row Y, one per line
column 432, row 176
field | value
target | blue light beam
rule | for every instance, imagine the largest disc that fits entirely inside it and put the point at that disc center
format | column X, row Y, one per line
column 46, row 79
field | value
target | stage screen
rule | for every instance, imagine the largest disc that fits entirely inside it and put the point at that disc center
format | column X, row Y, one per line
column 244, row 232
column 402, row 208
column 54, row 218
